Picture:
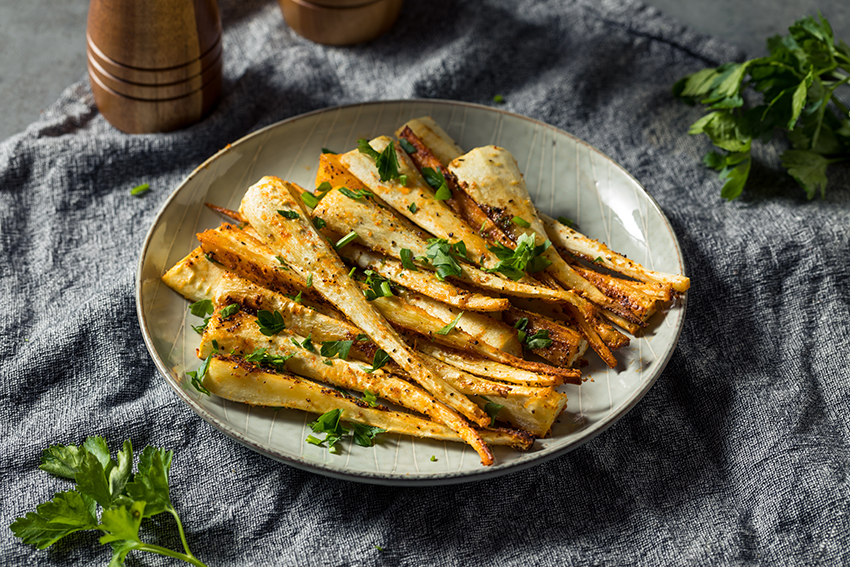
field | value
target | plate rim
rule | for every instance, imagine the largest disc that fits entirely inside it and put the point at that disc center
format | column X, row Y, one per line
column 391, row 479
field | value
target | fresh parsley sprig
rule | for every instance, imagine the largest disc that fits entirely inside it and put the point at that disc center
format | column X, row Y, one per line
column 329, row 423
column 270, row 322
column 378, row 286
column 386, row 161
column 443, row 257
column 539, row 339
column 797, row 83
column 203, row 308
column 124, row 498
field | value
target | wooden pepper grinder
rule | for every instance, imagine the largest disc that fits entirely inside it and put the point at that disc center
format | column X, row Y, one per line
column 154, row 65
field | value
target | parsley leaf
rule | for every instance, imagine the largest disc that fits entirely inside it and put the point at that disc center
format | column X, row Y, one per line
column 412, row 208
column 67, row 513
column 260, row 356
column 519, row 221
column 270, row 322
column 197, row 376
column 140, row 189
column 229, row 311
column 407, row 260
column 491, row 409
column 202, row 308
column 540, row 339
column 329, row 424
column 378, row 286
column 327, row 151
column 364, row 147
column 334, row 348
column 445, row 330
column 309, row 199
column 437, row 182
column 520, row 326
column 526, row 257
column 289, row 214
column 364, row 435
column 378, row 361
column 306, row 344
column 498, row 99
column 440, row 253
column 566, row 222
column 407, row 146
column 387, row 163
column 319, row 223
column 356, row 195
column 370, row 398
column 282, row 262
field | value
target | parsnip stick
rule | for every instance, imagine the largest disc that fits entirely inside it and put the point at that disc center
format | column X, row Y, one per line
column 307, row 252
column 234, row 379
column 591, row 250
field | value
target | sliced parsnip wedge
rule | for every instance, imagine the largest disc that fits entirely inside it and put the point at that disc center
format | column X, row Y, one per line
column 290, row 234
column 433, row 136
column 434, row 216
column 194, row 277
column 620, row 291
column 234, row 379
column 422, row 281
column 592, row 250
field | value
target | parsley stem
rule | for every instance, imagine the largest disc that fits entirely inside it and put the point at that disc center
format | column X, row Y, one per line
column 180, row 529
column 169, row 553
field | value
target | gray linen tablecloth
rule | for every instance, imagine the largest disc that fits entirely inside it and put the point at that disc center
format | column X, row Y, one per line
column 739, row 453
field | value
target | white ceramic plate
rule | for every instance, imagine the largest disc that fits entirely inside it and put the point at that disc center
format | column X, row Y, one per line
column 565, row 176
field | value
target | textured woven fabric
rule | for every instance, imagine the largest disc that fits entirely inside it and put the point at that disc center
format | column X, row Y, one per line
column 739, row 454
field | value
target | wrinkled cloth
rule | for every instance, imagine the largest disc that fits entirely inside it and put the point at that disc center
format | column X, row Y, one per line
column 739, row 454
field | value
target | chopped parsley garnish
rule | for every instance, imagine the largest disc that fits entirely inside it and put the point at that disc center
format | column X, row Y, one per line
column 445, row 330
column 229, row 311
column 296, row 298
column 378, row 361
column 197, row 376
column 310, row 281
column 361, row 337
column 412, row 208
column 336, row 348
column 598, row 260
column 356, row 195
column 433, row 458
column 289, row 214
column 387, row 163
column 202, row 308
column 140, row 189
column 370, row 398
column 378, row 286
column 437, row 182
column 347, row 239
column 327, row 151
column 270, row 322
column 261, row 356
column 407, row 260
column 519, row 221
column 323, row 188
column 403, row 180
column 498, row 99
column 442, row 257
column 351, row 272
column 364, row 147
column 540, row 339
column 329, row 424
column 364, row 435
column 566, row 222
column 283, row 265
column 491, row 409
column 306, row 344
column 526, row 257
column 309, row 199
column 407, row 146
column 327, row 363
column 319, row 223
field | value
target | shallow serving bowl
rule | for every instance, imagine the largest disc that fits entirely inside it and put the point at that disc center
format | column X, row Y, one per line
column 565, row 176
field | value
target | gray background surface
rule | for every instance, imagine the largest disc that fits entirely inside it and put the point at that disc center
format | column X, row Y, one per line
column 42, row 42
